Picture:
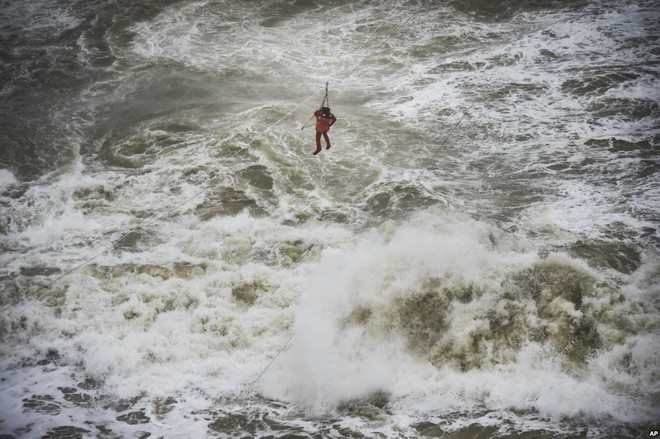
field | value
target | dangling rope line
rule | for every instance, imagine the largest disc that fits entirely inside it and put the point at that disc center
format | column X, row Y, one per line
column 325, row 103
column 437, row 150
column 269, row 364
column 443, row 142
column 345, row 74
column 349, row 71
column 112, row 246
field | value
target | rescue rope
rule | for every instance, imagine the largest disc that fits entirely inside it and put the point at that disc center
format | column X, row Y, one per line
column 345, row 74
column 437, row 150
column 349, row 71
column 325, row 103
column 113, row 245
column 269, row 364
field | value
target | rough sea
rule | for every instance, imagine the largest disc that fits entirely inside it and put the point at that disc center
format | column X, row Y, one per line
column 477, row 255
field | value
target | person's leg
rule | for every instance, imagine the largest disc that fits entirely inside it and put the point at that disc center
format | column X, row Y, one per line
column 318, row 143
column 327, row 140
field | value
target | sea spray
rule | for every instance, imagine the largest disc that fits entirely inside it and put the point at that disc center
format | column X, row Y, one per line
column 413, row 297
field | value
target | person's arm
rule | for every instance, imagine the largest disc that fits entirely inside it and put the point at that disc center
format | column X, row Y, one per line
column 334, row 119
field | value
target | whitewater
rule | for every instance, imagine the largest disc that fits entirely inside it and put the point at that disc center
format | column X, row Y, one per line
column 477, row 255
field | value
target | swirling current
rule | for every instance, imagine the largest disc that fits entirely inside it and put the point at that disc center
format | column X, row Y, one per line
column 477, row 255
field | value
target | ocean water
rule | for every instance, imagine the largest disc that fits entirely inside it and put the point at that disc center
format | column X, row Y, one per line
column 477, row 255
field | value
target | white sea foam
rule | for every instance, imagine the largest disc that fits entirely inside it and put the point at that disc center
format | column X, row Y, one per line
column 198, row 300
column 7, row 180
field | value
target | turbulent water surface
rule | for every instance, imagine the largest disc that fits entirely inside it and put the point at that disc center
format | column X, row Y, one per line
column 477, row 255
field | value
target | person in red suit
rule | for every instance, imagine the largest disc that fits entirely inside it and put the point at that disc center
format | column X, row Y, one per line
column 324, row 120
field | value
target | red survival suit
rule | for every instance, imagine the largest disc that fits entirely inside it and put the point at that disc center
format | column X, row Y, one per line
column 324, row 120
